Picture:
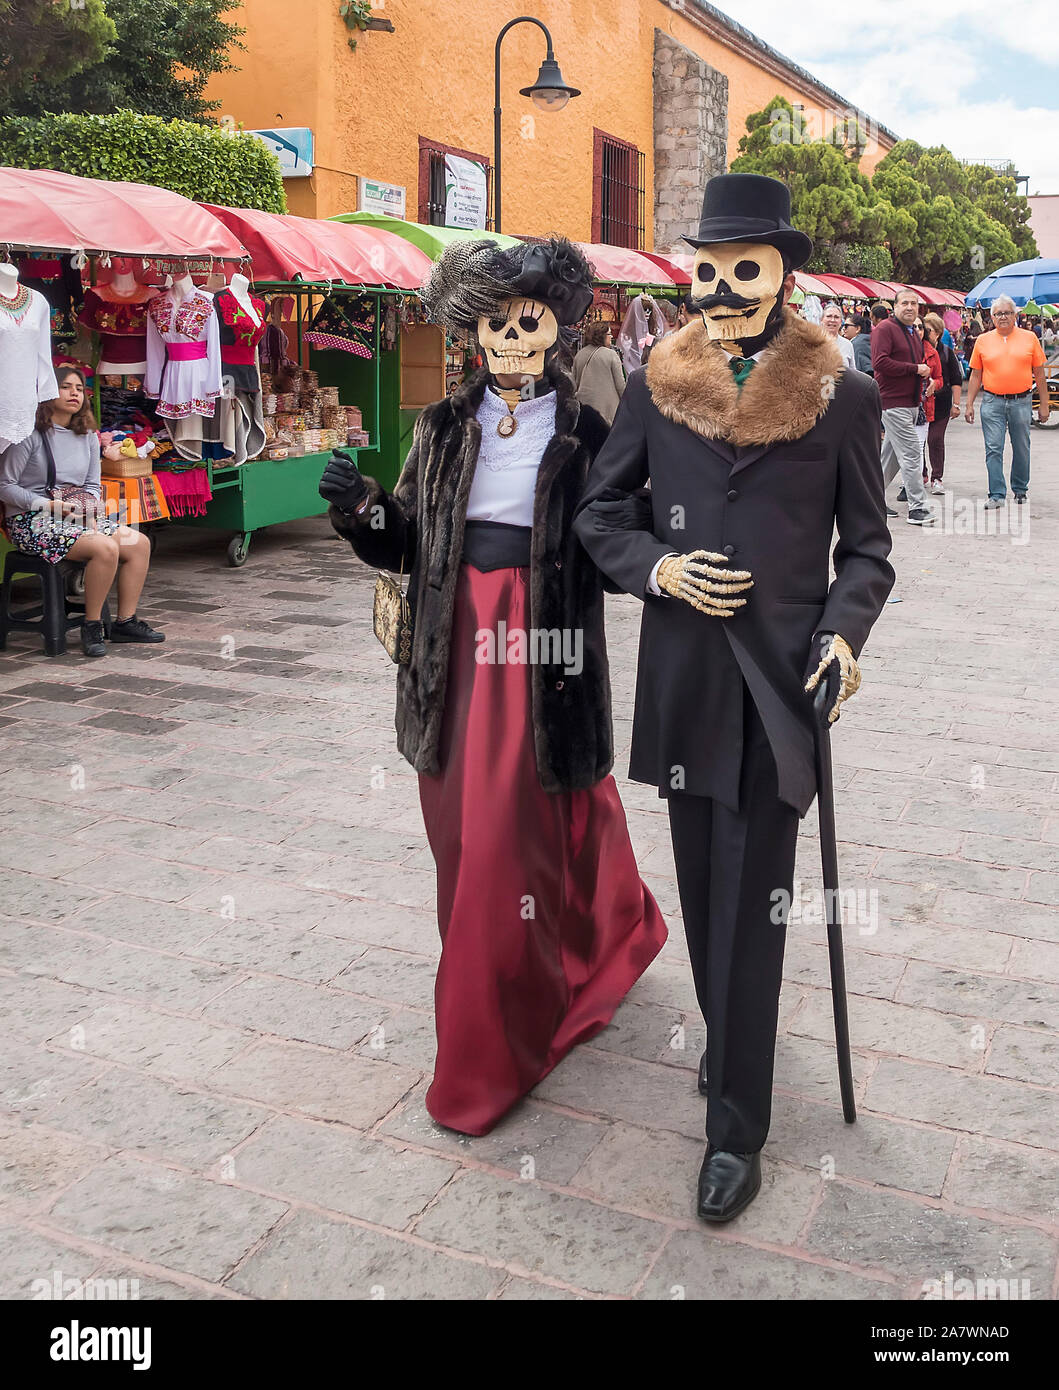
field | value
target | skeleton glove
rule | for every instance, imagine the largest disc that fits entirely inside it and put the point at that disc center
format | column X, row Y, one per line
column 831, row 660
column 700, row 579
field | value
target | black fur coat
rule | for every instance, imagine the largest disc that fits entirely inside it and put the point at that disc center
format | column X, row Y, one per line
column 421, row 525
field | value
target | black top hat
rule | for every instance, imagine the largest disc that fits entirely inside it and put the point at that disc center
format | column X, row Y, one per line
column 751, row 207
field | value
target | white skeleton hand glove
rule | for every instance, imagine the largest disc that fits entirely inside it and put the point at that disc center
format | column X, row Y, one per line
column 831, row 660
column 699, row 579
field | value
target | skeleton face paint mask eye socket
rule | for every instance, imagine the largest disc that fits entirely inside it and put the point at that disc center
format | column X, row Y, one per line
column 516, row 339
column 735, row 286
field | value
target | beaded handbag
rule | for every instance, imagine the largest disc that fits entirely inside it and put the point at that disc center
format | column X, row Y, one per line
column 392, row 618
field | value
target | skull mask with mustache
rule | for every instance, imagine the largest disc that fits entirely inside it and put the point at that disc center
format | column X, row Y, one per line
column 737, row 287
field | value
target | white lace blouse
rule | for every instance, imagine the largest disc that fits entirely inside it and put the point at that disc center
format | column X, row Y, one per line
column 27, row 376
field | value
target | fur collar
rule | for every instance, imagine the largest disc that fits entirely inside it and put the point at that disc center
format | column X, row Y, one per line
column 782, row 399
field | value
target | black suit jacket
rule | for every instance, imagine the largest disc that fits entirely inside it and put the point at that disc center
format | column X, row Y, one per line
column 772, row 507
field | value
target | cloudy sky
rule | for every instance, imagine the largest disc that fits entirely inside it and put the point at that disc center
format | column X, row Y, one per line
column 979, row 77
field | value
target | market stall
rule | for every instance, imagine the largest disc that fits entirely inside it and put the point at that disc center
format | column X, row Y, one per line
column 98, row 252
column 331, row 300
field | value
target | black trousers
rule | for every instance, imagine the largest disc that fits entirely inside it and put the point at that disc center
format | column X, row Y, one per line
column 735, row 874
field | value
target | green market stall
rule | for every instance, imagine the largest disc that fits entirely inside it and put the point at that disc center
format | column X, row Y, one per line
column 426, row 365
column 337, row 296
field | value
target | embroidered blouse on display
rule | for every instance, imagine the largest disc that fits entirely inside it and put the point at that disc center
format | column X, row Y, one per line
column 183, row 355
column 123, row 329
column 240, row 336
column 26, row 372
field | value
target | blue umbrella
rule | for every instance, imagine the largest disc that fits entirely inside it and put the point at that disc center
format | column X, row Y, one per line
column 1025, row 280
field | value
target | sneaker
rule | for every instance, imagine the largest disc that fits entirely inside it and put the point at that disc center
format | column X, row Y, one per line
column 892, row 511
column 902, row 496
column 92, row 643
column 937, row 487
column 920, row 516
column 992, row 503
column 134, row 629
column 1020, row 498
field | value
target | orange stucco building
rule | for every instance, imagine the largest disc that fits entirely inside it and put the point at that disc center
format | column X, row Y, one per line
column 666, row 86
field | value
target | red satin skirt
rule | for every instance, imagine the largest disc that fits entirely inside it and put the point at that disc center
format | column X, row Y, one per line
column 545, row 923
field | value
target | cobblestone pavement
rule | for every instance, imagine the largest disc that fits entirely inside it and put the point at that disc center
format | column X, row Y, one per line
column 216, row 890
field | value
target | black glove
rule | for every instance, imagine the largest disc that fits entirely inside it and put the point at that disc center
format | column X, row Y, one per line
column 342, row 484
column 613, row 510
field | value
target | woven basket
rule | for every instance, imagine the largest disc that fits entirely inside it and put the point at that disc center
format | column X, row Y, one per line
column 127, row 468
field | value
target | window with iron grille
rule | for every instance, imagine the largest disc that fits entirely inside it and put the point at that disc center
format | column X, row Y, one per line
column 617, row 192
column 432, row 180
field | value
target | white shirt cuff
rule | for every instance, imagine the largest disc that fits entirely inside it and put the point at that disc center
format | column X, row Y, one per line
column 652, row 578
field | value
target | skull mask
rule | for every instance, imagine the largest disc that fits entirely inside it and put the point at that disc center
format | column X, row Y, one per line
column 517, row 337
column 736, row 286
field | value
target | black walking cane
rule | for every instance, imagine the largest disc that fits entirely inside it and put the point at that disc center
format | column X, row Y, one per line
column 825, row 798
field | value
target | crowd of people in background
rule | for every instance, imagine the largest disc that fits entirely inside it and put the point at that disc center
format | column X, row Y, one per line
column 928, row 369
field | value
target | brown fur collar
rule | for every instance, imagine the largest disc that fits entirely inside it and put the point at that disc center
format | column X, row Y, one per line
column 784, row 396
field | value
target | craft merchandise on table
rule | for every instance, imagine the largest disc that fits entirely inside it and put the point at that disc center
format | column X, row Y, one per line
column 182, row 376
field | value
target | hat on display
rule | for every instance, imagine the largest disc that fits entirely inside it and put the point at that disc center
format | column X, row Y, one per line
column 754, row 208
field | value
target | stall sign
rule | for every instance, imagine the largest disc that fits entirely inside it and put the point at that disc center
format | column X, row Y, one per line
column 466, row 193
column 375, row 196
column 293, row 148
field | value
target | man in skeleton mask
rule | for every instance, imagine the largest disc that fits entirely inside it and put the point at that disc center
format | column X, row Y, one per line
column 756, row 441
column 504, row 706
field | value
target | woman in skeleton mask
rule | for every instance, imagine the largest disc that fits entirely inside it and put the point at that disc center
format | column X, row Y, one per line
column 504, row 706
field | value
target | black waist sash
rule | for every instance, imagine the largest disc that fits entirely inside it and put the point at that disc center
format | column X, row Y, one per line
column 496, row 545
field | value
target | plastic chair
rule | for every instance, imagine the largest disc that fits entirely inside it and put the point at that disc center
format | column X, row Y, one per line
column 55, row 613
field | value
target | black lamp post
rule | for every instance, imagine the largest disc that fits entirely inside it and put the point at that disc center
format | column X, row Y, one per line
column 549, row 93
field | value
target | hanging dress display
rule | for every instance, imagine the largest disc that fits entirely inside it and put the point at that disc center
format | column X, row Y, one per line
column 121, row 323
column 184, row 366
column 238, row 424
column 56, row 279
column 27, row 376
column 345, row 328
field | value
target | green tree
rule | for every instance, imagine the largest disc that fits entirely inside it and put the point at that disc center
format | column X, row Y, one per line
column 159, row 63
column 41, row 36
column 831, row 200
column 969, row 219
column 923, row 216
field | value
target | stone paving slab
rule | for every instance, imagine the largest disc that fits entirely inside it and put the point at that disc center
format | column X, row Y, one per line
column 217, row 945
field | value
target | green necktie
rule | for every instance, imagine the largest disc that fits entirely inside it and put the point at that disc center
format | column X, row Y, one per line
column 741, row 368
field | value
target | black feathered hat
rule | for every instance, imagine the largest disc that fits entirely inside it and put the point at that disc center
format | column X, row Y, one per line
column 475, row 277
column 751, row 207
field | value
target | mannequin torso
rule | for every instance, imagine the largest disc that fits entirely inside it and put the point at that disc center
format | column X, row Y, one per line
column 183, row 288
column 8, row 280
column 240, row 288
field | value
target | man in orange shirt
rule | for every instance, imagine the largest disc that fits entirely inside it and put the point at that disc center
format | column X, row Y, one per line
column 1005, row 363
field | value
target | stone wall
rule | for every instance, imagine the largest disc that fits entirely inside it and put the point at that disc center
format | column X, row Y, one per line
column 690, row 137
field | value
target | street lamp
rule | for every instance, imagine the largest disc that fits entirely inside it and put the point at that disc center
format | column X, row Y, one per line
column 550, row 92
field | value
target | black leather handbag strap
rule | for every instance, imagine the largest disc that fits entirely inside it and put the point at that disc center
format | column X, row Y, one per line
column 49, row 459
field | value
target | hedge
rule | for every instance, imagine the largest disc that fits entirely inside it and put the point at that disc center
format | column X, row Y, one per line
column 202, row 162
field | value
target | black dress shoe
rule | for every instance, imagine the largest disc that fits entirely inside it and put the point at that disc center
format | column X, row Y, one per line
column 702, row 1075
column 728, row 1183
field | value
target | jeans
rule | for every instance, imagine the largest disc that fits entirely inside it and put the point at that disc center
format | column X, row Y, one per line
column 902, row 450
column 1006, row 415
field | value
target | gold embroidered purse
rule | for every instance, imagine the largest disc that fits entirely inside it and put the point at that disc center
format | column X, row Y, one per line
column 392, row 618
